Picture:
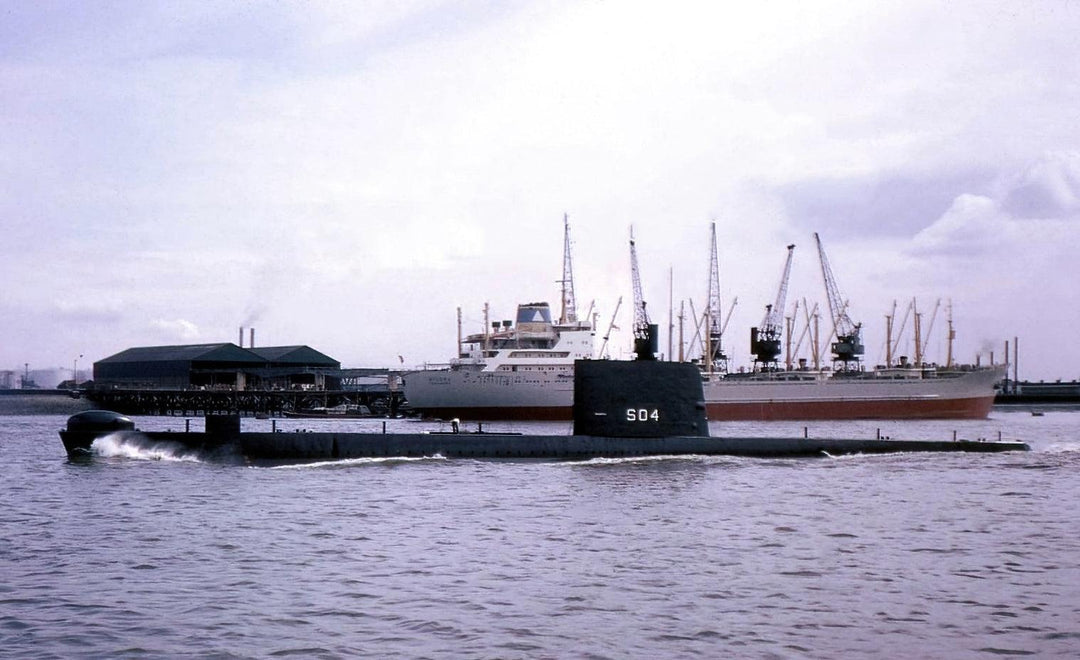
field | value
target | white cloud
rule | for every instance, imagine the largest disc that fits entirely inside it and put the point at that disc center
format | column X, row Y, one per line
column 1035, row 209
column 970, row 229
column 175, row 330
column 1049, row 188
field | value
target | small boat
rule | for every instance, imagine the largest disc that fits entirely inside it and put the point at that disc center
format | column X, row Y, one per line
column 343, row 411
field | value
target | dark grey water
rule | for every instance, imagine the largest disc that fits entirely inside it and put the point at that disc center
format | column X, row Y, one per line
column 135, row 554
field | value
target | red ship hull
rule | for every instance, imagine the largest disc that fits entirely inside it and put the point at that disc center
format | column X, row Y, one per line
column 766, row 411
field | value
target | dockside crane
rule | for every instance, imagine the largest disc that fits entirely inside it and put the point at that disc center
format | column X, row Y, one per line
column 765, row 340
column 716, row 361
column 569, row 304
column 848, row 346
column 645, row 333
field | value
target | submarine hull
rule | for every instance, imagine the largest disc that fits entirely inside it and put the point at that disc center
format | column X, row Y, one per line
column 259, row 446
column 284, row 446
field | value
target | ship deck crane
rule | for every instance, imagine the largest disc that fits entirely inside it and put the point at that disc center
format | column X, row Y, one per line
column 765, row 340
column 894, row 344
column 848, row 346
column 929, row 329
column 811, row 314
column 611, row 326
column 645, row 333
column 700, row 323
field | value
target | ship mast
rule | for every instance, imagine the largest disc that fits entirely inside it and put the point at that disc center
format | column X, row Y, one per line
column 682, row 318
column 918, row 334
column 789, row 336
column 765, row 341
column 848, row 345
column 569, row 304
column 487, row 324
column 717, row 360
column 888, row 335
column 645, row 338
column 951, row 336
column 671, row 313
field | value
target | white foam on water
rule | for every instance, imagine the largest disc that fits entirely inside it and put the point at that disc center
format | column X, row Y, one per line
column 1061, row 448
column 624, row 460
column 136, row 447
column 346, row 462
column 857, row 456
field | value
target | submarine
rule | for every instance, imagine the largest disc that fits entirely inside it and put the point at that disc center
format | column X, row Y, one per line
column 635, row 408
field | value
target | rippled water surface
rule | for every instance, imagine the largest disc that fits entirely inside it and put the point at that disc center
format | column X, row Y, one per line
column 131, row 553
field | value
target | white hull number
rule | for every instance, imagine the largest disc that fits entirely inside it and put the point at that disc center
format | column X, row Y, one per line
column 642, row 415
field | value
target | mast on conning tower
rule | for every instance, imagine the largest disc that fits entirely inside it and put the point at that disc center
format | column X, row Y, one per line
column 848, row 345
column 765, row 341
column 716, row 361
column 569, row 304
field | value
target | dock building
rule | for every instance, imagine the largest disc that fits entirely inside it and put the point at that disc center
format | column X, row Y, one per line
column 217, row 366
column 168, row 380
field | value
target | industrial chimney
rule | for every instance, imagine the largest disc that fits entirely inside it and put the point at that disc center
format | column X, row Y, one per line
column 251, row 338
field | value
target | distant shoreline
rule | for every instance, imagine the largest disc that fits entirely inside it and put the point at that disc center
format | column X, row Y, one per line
column 36, row 392
column 41, row 402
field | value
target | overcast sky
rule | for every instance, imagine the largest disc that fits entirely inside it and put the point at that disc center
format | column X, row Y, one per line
column 345, row 175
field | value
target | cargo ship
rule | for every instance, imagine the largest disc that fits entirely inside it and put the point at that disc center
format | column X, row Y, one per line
column 891, row 393
column 525, row 371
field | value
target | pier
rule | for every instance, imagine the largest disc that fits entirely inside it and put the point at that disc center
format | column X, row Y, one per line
column 248, row 402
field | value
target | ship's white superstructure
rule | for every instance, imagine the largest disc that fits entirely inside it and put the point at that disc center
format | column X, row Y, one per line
column 519, row 371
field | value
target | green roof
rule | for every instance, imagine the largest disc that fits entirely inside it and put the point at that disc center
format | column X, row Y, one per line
column 231, row 353
column 295, row 355
column 185, row 353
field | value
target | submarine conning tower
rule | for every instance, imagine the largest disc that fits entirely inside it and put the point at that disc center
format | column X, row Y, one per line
column 638, row 399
